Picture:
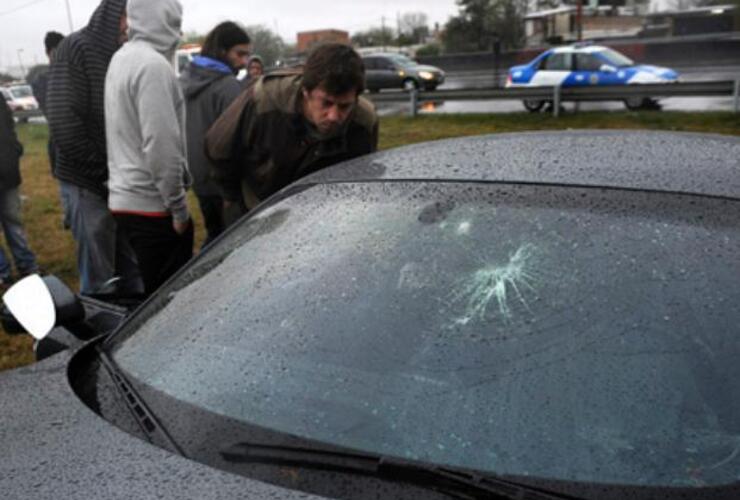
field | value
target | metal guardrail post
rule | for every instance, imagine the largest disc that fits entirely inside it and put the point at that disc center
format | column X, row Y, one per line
column 736, row 94
column 556, row 101
column 414, row 102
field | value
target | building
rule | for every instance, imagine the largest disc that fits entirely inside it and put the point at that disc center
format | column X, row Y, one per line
column 698, row 21
column 600, row 19
column 307, row 39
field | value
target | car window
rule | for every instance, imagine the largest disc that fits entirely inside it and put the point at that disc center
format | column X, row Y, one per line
column 21, row 91
column 562, row 61
column 587, row 62
column 385, row 63
column 568, row 333
column 615, row 58
column 370, row 62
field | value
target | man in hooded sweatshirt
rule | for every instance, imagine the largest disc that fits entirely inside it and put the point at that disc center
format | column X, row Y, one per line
column 74, row 109
column 145, row 120
column 210, row 85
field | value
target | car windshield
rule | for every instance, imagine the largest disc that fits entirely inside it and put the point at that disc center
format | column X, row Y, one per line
column 615, row 58
column 570, row 333
column 403, row 60
column 21, row 91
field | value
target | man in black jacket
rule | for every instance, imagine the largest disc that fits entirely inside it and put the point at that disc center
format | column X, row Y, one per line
column 75, row 111
column 210, row 85
column 10, row 201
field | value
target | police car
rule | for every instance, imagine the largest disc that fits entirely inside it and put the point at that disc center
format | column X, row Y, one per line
column 582, row 65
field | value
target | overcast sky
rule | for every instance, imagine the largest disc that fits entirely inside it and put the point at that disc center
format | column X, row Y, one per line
column 23, row 23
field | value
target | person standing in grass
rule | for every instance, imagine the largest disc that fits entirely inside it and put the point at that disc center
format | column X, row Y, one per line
column 74, row 109
column 10, row 201
column 145, row 123
column 210, row 85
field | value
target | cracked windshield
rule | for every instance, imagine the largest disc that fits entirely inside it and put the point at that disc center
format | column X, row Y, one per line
column 527, row 303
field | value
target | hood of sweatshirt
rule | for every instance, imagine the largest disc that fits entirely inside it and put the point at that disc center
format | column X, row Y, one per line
column 201, row 73
column 157, row 23
column 104, row 28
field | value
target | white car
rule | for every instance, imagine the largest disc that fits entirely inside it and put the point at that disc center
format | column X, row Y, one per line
column 583, row 65
column 21, row 101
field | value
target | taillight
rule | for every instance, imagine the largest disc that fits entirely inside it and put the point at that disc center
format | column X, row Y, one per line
column 508, row 80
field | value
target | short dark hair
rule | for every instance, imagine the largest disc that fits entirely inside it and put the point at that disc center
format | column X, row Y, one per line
column 336, row 68
column 222, row 38
column 51, row 40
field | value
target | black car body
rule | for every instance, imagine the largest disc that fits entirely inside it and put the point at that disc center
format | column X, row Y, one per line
column 396, row 71
column 549, row 313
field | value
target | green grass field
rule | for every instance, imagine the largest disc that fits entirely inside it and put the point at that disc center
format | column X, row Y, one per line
column 55, row 249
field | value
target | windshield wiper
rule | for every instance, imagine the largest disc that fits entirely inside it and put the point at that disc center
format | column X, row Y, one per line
column 452, row 481
column 142, row 414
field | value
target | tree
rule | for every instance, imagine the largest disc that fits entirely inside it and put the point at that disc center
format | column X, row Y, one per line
column 266, row 43
column 374, row 37
column 481, row 23
column 414, row 26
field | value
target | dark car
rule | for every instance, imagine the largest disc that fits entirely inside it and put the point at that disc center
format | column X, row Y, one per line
column 540, row 316
column 397, row 71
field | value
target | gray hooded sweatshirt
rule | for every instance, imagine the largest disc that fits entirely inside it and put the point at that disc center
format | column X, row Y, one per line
column 145, row 116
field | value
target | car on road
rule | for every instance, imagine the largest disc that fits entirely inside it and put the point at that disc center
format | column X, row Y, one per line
column 535, row 315
column 21, row 101
column 397, row 71
column 582, row 65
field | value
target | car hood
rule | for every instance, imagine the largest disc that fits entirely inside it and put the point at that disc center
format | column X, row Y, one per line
column 423, row 67
column 56, row 447
column 658, row 71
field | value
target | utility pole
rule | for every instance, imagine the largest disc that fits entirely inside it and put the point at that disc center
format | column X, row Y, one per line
column 382, row 30
column 20, row 62
column 69, row 17
column 579, row 20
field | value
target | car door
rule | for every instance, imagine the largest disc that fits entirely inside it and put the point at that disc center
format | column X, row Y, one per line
column 553, row 70
column 591, row 70
column 388, row 73
column 372, row 78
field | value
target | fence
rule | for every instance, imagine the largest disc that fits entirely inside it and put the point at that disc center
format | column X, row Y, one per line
column 557, row 94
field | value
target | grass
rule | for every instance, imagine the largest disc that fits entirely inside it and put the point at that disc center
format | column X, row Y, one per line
column 55, row 248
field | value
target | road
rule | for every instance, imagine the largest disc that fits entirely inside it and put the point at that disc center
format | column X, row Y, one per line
column 480, row 79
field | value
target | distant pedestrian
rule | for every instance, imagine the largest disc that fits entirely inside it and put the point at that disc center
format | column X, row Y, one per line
column 255, row 68
column 145, row 120
column 210, row 85
column 75, row 115
column 10, row 201
column 52, row 39
column 40, row 85
column 290, row 124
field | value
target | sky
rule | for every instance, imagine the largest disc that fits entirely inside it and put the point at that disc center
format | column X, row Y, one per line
column 23, row 23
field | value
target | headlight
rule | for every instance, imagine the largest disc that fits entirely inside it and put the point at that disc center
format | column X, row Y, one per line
column 401, row 73
column 426, row 75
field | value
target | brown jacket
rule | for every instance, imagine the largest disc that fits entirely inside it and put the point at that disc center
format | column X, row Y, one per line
column 261, row 143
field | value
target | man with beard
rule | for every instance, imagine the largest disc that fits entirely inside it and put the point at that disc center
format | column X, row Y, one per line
column 74, row 110
column 210, row 85
column 291, row 124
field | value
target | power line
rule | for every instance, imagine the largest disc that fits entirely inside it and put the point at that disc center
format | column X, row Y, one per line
column 20, row 7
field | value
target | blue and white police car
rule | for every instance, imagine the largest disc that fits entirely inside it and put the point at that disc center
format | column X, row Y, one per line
column 583, row 65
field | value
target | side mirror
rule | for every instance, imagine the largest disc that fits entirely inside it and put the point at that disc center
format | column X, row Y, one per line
column 607, row 68
column 39, row 304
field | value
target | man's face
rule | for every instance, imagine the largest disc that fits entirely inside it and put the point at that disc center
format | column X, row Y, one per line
column 123, row 30
column 254, row 69
column 326, row 111
column 238, row 55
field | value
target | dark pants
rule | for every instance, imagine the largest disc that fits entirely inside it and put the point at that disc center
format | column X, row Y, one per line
column 160, row 251
column 212, row 208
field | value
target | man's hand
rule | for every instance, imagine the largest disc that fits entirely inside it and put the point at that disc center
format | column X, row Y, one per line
column 181, row 227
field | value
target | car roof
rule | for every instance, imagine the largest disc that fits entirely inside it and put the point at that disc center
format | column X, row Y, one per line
column 586, row 49
column 705, row 164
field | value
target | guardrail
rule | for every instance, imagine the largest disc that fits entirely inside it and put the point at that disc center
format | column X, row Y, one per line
column 557, row 94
